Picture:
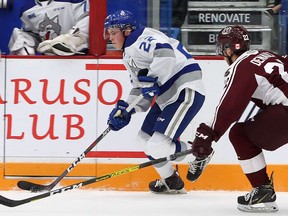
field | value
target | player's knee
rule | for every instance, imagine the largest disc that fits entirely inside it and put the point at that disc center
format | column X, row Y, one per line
column 153, row 150
column 236, row 136
column 142, row 139
column 242, row 141
column 243, row 146
column 158, row 146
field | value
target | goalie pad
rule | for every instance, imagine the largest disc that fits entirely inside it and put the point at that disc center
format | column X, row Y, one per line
column 65, row 45
column 22, row 43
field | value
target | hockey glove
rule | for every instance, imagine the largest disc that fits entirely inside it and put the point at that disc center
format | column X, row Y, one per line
column 22, row 43
column 201, row 146
column 119, row 117
column 65, row 45
column 149, row 86
column 45, row 47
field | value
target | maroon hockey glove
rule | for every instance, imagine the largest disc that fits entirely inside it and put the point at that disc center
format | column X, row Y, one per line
column 201, row 146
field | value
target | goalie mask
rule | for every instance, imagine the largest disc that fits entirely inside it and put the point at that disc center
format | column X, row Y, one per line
column 234, row 37
column 122, row 19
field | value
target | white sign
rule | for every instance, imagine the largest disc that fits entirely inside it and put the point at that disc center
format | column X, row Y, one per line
column 53, row 109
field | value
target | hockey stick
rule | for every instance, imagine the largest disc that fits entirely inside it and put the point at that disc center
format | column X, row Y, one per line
column 33, row 187
column 13, row 203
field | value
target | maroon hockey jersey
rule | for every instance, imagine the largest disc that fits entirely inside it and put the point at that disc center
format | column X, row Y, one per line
column 258, row 76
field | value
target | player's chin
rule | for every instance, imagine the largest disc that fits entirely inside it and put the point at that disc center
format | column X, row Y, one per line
column 116, row 46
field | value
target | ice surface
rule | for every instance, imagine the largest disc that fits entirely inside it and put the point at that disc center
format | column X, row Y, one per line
column 114, row 203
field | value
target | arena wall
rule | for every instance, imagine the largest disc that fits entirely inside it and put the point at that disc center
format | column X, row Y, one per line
column 54, row 108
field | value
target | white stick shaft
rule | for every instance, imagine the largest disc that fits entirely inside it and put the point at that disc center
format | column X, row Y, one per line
column 134, row 103
column 131, row 106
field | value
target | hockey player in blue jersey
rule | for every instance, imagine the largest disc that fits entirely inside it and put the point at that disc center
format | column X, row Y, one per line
column 52, row 27
column 172, row 77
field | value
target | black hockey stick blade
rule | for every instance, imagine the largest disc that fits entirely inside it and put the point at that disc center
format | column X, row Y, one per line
column 13, row 203
column 33, row 187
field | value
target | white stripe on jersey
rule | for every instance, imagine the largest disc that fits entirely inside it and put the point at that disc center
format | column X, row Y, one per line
column 180, row 113
column 152, row 49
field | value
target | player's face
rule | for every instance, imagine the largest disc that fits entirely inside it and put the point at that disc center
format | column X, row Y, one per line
column 229, row 56
column 117, row 38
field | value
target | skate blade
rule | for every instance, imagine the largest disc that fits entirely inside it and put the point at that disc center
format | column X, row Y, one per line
column 263, row 207
column 182, row 191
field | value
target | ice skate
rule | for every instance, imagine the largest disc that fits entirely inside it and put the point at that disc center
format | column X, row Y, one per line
column 197, row 167
column 260, row 199
column 170, row 185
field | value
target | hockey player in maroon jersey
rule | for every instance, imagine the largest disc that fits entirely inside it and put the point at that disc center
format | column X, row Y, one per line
column 260, row 77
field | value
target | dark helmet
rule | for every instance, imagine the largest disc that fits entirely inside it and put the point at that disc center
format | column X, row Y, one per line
column 234, row 37
column 121, row 19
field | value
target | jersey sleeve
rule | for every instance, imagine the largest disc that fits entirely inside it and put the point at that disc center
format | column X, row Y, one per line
column 238, row 90
column 81, row 12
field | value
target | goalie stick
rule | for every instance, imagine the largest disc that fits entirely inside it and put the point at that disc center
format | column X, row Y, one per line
column 13, row 203
column 33, row 187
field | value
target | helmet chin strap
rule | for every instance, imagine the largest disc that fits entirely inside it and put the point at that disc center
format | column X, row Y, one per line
column 125, row 36
column 230, row 59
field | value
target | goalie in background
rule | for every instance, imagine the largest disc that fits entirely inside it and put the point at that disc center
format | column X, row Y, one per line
column 170, row 81
column 52, row 28
column 260, row 77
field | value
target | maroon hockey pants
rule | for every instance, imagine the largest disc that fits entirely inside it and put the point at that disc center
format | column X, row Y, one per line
column 267, row 130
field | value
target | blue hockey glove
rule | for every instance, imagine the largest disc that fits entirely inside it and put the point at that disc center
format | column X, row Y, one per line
column 119, row 117
column 201, row 145
column 149, row 86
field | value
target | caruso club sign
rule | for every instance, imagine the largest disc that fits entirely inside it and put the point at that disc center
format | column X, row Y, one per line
column 44, row 103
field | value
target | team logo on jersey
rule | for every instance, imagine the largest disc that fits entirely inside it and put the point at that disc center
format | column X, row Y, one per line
column 133, row 67
column 49, row 28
